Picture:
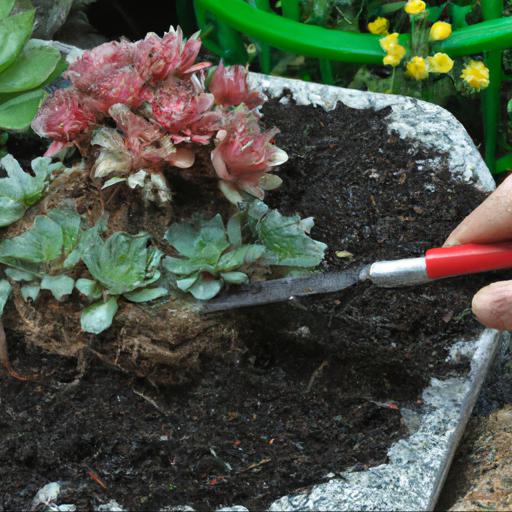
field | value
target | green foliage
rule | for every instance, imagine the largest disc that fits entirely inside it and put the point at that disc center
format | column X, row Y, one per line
column 285, row 239
column 25, row 67
column 121, row 265
column 20, row 190
column 39, row 256
column 210, row 256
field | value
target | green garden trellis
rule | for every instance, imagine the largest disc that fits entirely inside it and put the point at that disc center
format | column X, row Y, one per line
column 223, row 22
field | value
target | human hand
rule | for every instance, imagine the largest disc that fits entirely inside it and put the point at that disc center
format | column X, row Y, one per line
column 490, row 222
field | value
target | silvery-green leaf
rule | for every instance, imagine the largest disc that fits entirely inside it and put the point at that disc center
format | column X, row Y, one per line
column 112, row 181
column 19, row 189
column 146, row 294
column 11, row 210
column 18, row 275
column 98, row 317
column 30, row 291
column 42, row 243
column 207, row 240
column 72, row 259
column 60, row 285
column 5, row 293
column 205, row 289
column 284, row 238
column 89, row 288
column 246, row 254
column 185, row 283
column 235, row 277
column 234, row 229
column 184, row 266
column 69, row 221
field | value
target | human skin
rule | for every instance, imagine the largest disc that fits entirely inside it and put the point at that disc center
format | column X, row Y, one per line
column 490, row 222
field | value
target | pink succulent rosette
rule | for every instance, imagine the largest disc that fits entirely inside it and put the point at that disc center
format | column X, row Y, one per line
column 154, row 92
column 64, row 117
column 229, row 86
column 156, row 58
column 244, row 155
column 186, row 113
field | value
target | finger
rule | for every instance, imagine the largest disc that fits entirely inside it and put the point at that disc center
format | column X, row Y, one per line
column 490, row 222
column 492, row 305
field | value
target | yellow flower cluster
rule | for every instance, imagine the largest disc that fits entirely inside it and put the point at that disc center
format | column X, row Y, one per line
column 395, row 52
column 419, row 68
column 379, row 26
column 415, row 7
column 476, row 75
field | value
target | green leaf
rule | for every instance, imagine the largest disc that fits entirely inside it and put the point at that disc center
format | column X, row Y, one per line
column 89, row 288
column 5, row 293
column 207, row 241
column 19, row 275
column 60, row 286
column 30, row 291
column 146, row 294
column 123, row 262
column 69, row 221
column 19, row 189
column 285, row 238
column 6, row 8
column 42, row 243
column 183, row 266
column 206, row 289
column 458, row 14
column 246, row 254
column 17, row 113
column 235, row 277
column 434, row 12
column 99, row 316
column 234, row 229
column 10, row 211
column 32, row 67
column 186, row 283
column 14, row 33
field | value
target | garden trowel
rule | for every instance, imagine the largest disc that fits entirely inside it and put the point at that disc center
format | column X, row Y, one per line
column 437, row 263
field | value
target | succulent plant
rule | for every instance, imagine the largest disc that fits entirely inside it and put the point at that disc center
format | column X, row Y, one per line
column 26, row 66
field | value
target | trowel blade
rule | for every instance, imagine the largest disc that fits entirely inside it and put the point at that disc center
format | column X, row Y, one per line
column 283, row 290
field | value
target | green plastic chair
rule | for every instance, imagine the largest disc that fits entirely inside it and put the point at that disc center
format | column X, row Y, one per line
column 224, row 21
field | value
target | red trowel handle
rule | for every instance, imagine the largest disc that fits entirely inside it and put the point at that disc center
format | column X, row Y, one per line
column 467, row 259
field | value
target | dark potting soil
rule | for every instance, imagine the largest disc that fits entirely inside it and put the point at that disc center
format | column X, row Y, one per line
column 316, row 386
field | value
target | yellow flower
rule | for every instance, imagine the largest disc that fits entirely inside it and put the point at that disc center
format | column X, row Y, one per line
column 476, row 75
column 380, row 26
column 389, row 41
column 440, row 63
column 415, row 6
column 440, row 30
column 391, row 60
column 417, row 68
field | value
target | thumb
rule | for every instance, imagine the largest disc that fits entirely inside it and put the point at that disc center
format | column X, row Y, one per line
column 492, row 305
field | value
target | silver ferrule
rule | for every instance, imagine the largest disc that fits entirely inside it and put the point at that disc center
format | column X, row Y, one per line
column 389, row 274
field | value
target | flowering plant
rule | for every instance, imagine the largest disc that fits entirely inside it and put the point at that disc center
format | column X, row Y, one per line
column 164, row 108
column 420, row 64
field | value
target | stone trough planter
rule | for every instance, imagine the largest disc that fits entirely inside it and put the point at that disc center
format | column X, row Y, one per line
column 300, row 376
column 418, row 465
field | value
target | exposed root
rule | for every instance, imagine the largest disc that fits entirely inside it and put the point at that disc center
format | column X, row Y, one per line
column 316, row 374
column 4, row 357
